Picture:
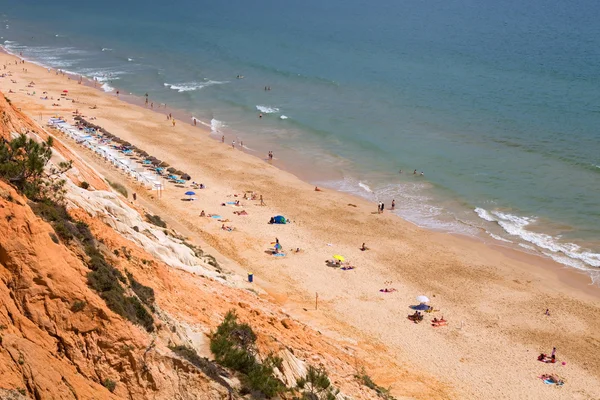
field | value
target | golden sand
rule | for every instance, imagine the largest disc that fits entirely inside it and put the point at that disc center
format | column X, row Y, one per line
column 494, row 298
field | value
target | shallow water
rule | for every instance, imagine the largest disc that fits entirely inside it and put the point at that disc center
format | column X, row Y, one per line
column 498, row 103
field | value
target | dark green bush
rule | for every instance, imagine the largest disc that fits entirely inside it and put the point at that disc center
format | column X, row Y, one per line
column 156, row 220
column 144, row 293
column 109, row 384
column 366, row 380
column 233, row 345
column 260, row 378
column 78, row 305
column 85, row 185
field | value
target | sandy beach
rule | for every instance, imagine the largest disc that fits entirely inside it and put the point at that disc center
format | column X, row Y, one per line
column 493, row 298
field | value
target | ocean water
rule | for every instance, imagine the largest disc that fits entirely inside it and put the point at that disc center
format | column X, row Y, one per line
column 498, row 103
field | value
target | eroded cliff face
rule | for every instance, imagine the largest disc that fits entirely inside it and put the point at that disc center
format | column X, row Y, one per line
column 60, row 340
column 51, row 349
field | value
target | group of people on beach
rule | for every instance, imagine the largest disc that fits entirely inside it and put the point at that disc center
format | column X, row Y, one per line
column 381, row 206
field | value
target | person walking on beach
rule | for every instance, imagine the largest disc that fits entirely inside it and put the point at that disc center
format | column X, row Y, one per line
column 393, row 204
column 379, row 208
column 262, row 203
column 173, row 120
column 382, row 207
column 233, row 144
column 194, row 121
column 223, row 139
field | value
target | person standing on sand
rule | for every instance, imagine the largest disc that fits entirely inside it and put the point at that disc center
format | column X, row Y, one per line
column 379, row 208
column 233, row 144
column 134, row 197
column 393, row 204
column 194, row 121
column 223, row 139
column 262, row 203
column 173, row 120
column 382, row 207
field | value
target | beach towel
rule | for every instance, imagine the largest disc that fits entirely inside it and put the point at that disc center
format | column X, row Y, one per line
column 279, row 255
column 216, row 216
column 231, row 202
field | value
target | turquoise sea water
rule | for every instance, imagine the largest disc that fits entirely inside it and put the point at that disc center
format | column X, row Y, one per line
column 497, row 102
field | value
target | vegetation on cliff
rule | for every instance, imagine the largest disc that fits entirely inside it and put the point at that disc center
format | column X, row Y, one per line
column 233, row 345
column 23, row 164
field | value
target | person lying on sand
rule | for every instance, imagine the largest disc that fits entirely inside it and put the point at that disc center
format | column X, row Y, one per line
column 386, row 290
column 348, row 268
column 439, row 322
column 317, row 189
column 227, row 228
column 243, row 212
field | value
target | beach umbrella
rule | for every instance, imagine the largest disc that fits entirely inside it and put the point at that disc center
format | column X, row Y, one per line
column 277, row 246
column 190, row 193
column 420, row 307
column 339, row 258
column 65, row 91
column 423, row 299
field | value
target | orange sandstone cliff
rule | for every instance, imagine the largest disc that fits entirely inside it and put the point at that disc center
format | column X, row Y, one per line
column 60, row 340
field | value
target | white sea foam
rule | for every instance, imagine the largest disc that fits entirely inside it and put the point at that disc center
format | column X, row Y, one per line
column 483, row 214
column 191, row 86
column 365, row 187
column 499, row 238
column 129, row 59
column 107, row 88
column 283, row 117
column 569, row 254
column 216, row 126
column 106, row 49
column 267, row 109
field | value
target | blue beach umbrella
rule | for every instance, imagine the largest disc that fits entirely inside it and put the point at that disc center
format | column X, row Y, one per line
column 190, row 193
column 277, row 246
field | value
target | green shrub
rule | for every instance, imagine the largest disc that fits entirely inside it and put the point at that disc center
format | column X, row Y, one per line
column 77, row 306
column 233, row 345
column 260, row 378
column 366, row 380
column 144, row 293
column 316, row 385
column 85, row 185
column 109, row 384
column 23, row 164
column 156, row 220
column 22, row 391
column 84, row 234
column 119, row 188
column 105, row 280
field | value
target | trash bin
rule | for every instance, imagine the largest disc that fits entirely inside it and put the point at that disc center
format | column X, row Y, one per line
column 250, row 277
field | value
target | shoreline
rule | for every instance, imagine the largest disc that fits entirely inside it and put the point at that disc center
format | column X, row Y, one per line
column 494, row 300
column 181, row 115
